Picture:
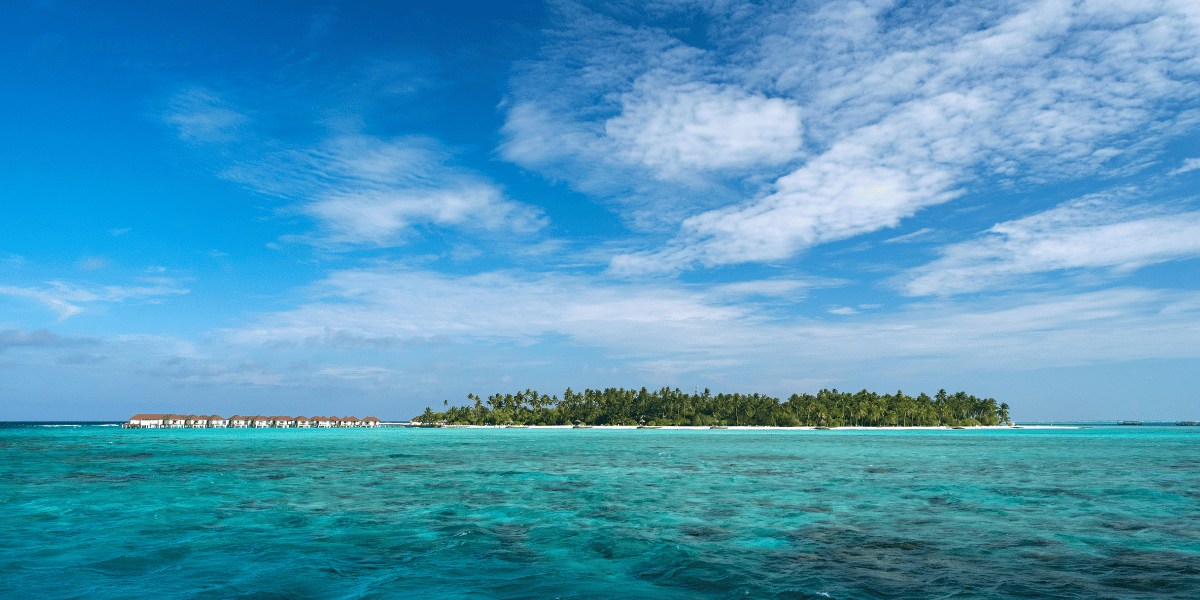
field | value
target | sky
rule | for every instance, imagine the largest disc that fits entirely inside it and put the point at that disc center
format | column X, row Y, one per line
column 370, row 208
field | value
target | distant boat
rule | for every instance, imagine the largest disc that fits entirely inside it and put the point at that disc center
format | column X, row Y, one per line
column 648, row 427
column 718, row 427
column 1130, row 423
column 823, row 428
column 516, row 427
column 1189, row 423
column 958, row 427
column 581, row 427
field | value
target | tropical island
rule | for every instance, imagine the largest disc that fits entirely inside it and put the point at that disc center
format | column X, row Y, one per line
column 666, row 407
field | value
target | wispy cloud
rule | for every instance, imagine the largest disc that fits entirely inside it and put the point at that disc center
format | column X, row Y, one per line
column 1090, row 233
column 908, row 237
column 200, row 114
column 51, row 299
column 66, row 298
column 898, row 116
column 1190, row 164
column 667, row 322
column 675, row 130
column 367, row 191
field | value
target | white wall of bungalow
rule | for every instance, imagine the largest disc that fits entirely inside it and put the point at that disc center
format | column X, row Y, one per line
column 148, row 421
column 168, row 421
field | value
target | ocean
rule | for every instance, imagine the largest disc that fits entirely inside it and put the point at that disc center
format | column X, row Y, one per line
column 102, row 512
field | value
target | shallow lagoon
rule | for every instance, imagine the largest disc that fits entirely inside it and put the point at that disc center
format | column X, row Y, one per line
column 102, row 512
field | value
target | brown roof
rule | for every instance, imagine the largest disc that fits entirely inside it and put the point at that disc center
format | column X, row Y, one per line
column 147, row 417
column 371, row 419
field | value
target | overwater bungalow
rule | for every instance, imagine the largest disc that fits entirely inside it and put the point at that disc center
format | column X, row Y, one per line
column 167, row 421
column 146, row 421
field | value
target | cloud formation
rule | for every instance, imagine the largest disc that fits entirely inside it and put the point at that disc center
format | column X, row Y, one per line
column 364, row 191
column 1092, row 232
column 201, row 115
column 677, row 129
column 902, row 110
column 1190, row 164
column 696, row 329
column 66, row 298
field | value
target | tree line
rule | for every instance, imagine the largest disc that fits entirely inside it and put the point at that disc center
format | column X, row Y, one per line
column 666, row 406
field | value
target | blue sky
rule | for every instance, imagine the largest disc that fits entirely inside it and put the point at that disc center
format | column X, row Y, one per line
column 352, row 208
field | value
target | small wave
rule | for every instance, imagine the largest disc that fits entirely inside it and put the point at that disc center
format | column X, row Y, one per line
column 58, row 425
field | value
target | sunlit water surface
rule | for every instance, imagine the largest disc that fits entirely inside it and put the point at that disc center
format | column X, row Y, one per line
column 101, row 512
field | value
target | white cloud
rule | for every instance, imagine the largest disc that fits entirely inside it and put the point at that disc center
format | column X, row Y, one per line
column 355, row 372
column 899, row 114
column 824, row 201
column 646, row 326
column 794, row 289
column 1093, row 232
column 51, row 300
column 676, row 129
column 1190, row 164
column 908, row 237
column 65, row 299
column 363, row 190
column 202, row 115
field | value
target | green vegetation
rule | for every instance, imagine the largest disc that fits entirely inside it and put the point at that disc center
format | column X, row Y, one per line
column 618, row 406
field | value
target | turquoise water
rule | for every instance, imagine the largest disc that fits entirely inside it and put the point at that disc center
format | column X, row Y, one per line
column 101, row 512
